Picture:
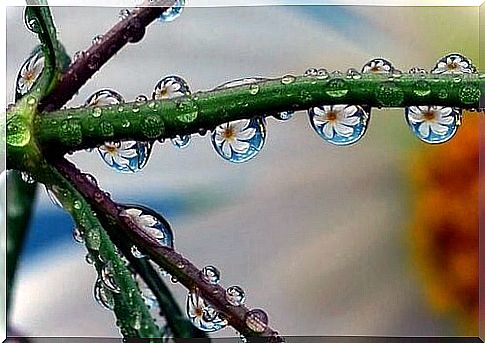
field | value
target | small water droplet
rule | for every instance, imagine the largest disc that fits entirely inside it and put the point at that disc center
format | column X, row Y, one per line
column 103, row 97
column 103, row 296
column 77, row 55
column 389, row 95
column 97, row 39
column 257, row 320
column 322, row 74
column 353, row 74
column 181, row 141
column 89, row 258
column 136, row 253
column 123, row 14
column 174, row 279
column 340, row 124
column 77, row 235
column 287, row 79
column 173, row 12
column 422, row 88
column 97, row 112
column 27, row 178
column 433, row 124
column 77, row 205
column 311, row 72
column 211, row 274
column 337, row 88
column 141, row 98
column 378, row 66
column 240, row 140
column 285, row 115
column 469, row 95
column 51, row 193
column 417, row 70
column 454, row 64
column 31, row 22
column 240, row 82
column 125, row 123
column 253, row 89
column 92, row 237
column 151, row 222
column 235, row 296
column 202, row 315
column 108, row 277
column 152, row 126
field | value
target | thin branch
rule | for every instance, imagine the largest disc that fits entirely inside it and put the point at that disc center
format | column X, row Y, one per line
column 129, row 30
column 167, row 258
column 81, row 128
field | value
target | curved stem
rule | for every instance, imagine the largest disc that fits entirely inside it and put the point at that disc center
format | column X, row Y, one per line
column 82, row 128
column 167, row 258
column 129, row 30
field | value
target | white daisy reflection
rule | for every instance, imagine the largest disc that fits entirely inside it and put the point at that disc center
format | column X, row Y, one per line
column 453, row 64
column 30, row 72
column 433, row 119
column 234, row 137
column 336, row 119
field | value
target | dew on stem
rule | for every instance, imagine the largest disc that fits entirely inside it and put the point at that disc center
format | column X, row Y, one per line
column 202, row 315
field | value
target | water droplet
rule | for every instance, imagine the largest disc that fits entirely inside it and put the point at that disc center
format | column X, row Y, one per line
column 92, row 237
column 27, row 178
column 127, row 156
column 311, row 72
column 340, row 124
column 239, row 141
column 136, row 253
column 422, row 88
column 106, row 129
column 89, row 258
column 454, row 64
column 181, row 141
column 30, row 71
column 389, row 95
column 211, row 274
column 77, row 205
column 103, row 296
column 470, row 95
column 170, row 87
column 378, row 66
column 77, row 235
column 91, row 179
column 147, row 294
column 257, row 320
column 240, row 82
column 153, row 126
column 173, row 12
column 108, row 277
column 322, row 74
column 353, row 74
column 253, row 89
column 284, row 116
column 443, row 93
column 18, row 134
column 151, row 222
column 174, row 279
column 235, row 296
column 141, row 98
column 337, row 88
column 287, row 79
column 433, row 124
column 417, row 70
column 78, row 55
column 203, row 316
column 31, row 22
column 124, row 13
column 97, row 39
column 103, row 97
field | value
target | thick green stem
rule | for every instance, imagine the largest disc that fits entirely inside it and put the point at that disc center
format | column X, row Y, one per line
column 81, row 128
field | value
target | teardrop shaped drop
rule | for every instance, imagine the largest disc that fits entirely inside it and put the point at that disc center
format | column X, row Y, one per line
column 433, row 124
column 103, row 296
column 241, row 140
column 454, row 64
column 203, row 316
column 108, row 278
column 340, row 124
column 151, row 222
column 170, row 87
column 378, row 66
column 77, row 235
column 181, row 141
column 30, row 71
column 173, row 12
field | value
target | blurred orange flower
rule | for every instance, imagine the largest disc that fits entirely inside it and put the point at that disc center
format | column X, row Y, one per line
column 444, row 229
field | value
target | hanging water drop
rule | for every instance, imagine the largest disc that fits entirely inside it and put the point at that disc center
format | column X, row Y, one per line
column 285, row 115
column 103, row 296
column 89, row 258
column 31, row 22
column 181, row 141
column 53, row 197
column 173, row 12
column 257, row 320
column 123, row 14
column 77, row 235
column 211, row 274
column 339, row 124
column 27, row 178
column 241, row 140
column 151, row 222
column 108, row 277
column 378, row 66
column 454, row 64
column 30, row 71
column 235, row 296
column 136, row 253
column 203, row 316
column 170, row 87
column 433, row 124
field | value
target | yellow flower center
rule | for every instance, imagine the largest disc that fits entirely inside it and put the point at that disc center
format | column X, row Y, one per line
column 229, row 134
column 375, row 69
column 29, row 76
column 199, row 312
column 429, row 115
column 111, row 149
column 331, row 116
column 453, row 66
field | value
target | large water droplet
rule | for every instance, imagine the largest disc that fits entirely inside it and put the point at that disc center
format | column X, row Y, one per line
column 151, row 222
column 211, row 274
column 173, row 12
column 181, row 141
column 239, row 141
column 170, row 87
column 103, row 296
column 339, row 124
column 454, row 64
column 30, row 71
column 235, row 296
column 108, row 277
column 18, row 133
column 378, row 66
column 257, row 320
column 104, row 97
column 433, row 124
column 203, row 316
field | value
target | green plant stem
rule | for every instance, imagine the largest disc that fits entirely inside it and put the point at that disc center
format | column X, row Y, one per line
column 81, row 128
column 21, row 199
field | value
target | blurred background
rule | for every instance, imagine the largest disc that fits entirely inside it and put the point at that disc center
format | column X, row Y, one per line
column 378, row 238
